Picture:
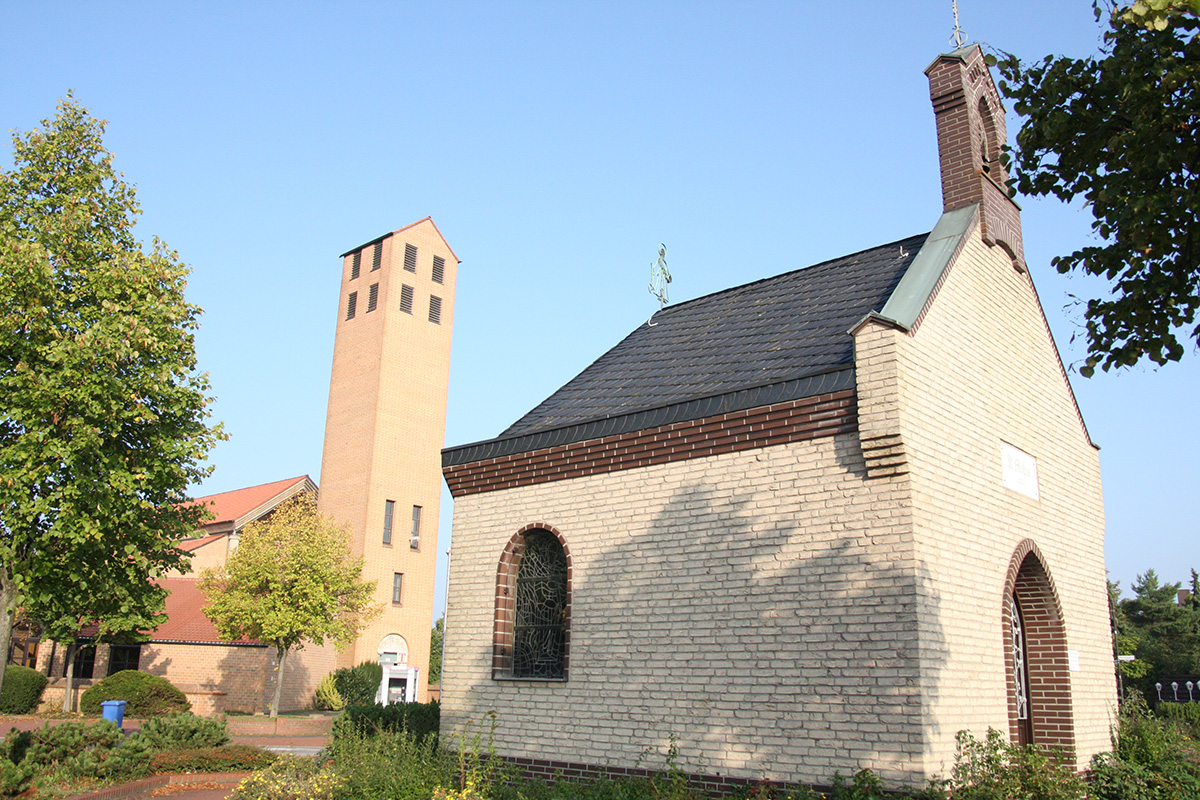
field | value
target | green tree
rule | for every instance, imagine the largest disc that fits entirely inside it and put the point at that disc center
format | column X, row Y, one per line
column 1120, row 130
column 291, row 581
column 1163, row 633
column 436, row 636
column 103, row 420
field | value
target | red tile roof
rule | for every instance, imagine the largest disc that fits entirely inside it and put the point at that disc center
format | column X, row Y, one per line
column 233, row 506
column 185, row 618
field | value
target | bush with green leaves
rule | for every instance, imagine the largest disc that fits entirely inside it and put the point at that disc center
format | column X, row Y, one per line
column 390, row 765
column 81, row 749
column 994, row 769
column 1152, row 759
column 182, row 730
column 358, row 686
column 327, row 697
column 145, row 695
column 418, row 719
column 22, row 692
column 15, row 778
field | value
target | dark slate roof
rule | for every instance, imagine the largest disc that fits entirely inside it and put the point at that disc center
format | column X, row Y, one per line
column 773, row 340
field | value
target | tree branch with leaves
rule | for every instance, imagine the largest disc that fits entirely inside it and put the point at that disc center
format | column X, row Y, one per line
column 1121, row 130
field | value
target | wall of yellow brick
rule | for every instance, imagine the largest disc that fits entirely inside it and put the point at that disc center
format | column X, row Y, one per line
column 758, row 605
column 981, row 369
column 385, row 430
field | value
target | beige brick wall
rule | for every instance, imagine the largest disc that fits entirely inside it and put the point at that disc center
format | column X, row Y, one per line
column 758, row 605
column 385, row 430
column 981, row 369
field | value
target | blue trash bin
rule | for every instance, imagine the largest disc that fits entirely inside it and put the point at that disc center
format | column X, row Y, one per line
column 114, row 711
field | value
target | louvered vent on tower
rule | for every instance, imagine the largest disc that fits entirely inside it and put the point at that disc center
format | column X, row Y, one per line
column 435, row 309
column 410, row 258
column 377, row 256
column 439, row 269
column 351, row 305
column 356, row 264
column 373, row 297
column 406, row 298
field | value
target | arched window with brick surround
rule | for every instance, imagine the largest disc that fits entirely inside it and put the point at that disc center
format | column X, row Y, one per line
column 531, row 636
column 1035, row 654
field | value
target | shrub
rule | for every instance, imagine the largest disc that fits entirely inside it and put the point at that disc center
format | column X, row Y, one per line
column 391, row 765
column 145, row 695
column 418, row 719
column 291, row 778
column 327, row 697
column 182, row 730
column 358, row 686
column 993, row 769
column 22, row 691
column 227, row 758
column 1150, row 760
column 15, row 778
column 81, row 749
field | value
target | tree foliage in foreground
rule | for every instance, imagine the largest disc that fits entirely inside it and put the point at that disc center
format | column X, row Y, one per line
column 103, row 420
column 291, row 581
column 1121, row 130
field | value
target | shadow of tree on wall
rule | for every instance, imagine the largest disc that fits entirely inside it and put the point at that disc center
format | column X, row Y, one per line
column 769, row 626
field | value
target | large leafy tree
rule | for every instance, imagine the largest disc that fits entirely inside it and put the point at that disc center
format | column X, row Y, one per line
column 291, row 581
column 1121, row 130
column 103, row 420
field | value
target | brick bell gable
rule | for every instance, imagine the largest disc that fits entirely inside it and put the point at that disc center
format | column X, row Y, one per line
column 971, row 134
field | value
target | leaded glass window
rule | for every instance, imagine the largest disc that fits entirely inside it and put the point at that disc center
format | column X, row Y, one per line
column 540, row 625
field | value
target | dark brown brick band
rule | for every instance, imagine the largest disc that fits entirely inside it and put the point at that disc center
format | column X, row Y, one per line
column 793, row 421
column 711, row 785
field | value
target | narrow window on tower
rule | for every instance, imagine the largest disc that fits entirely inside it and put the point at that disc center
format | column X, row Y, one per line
column 356, row 264
column 439, row 269
column 406, row 298
column 373, row 297
column 414, row 540
column 397, row 586
column 410, row 258
column 435, row 309
column 377, row 256
column 389, row 511
column 351, row 305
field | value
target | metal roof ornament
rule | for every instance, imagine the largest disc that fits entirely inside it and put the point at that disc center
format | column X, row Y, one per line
column 959, row 37
column 660, row 276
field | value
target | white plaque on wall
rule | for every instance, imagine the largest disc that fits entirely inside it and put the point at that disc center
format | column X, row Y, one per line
column 1073, row 660
column 1019, row 470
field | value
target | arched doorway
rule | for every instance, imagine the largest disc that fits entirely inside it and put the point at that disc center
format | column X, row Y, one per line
column 393, row 650
column 1036, row 663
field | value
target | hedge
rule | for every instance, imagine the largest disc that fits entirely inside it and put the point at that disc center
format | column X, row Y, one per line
column 22, row 691
column 418, row 719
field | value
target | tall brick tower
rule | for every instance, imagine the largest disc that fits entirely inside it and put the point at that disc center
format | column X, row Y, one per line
column 381, row 466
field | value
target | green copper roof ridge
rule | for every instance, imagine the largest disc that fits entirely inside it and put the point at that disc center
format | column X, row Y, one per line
column 909, row 297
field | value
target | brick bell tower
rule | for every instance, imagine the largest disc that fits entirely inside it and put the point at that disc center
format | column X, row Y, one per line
column 385, row 428
column 971, row 133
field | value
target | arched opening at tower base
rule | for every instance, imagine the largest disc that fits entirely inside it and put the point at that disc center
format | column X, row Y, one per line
column 1035, row 654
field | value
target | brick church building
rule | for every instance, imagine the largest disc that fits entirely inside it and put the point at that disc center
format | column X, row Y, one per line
column 812, row 524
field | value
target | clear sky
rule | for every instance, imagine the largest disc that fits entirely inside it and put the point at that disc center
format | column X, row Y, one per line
column 555, row 144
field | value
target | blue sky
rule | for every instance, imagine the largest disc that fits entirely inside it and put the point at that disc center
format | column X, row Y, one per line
column 556, row 145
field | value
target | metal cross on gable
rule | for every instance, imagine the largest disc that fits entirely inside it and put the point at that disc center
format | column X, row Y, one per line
column 660, row 276
column 959, row 37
